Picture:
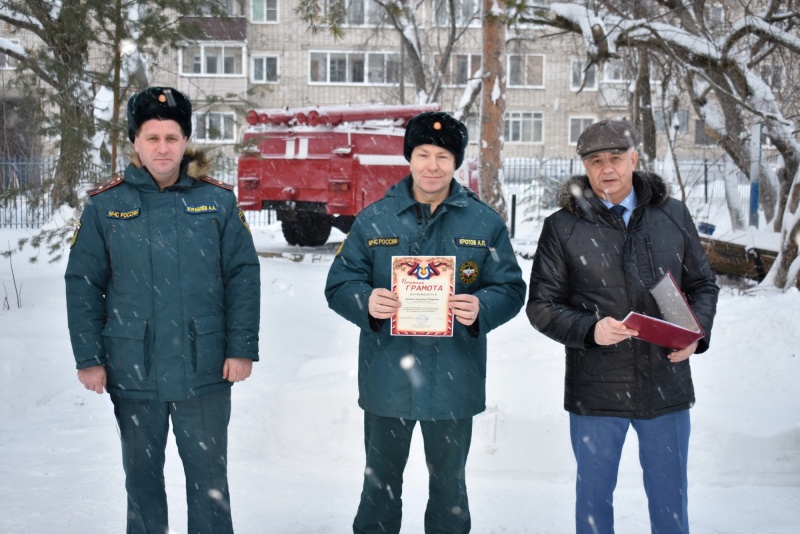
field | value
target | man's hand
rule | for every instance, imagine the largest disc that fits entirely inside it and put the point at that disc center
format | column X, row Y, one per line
column 237, row 369
column 609, row 331
column 683, row 354
column 383, row 304
column 465, row 308
column 93, row 378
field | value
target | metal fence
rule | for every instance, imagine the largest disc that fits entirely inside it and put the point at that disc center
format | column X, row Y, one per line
column 25, row 199
column 25, row 192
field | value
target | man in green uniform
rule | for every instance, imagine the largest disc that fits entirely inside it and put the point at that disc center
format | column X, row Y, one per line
column 439, row 381
column 163, row 300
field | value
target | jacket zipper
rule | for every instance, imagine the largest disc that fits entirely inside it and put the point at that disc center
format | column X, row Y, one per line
column 649, row 246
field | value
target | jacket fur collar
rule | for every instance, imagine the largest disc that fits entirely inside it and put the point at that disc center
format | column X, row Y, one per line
column 650, row 189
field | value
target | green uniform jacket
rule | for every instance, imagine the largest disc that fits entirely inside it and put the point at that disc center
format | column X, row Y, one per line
column 162, row 286
column 448, row 377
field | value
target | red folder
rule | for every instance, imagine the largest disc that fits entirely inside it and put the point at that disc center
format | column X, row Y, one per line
column 678, row 329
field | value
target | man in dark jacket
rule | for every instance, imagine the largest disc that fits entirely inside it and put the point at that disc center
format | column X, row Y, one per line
column 436, row 380
column 163, row 311
column 592, row 266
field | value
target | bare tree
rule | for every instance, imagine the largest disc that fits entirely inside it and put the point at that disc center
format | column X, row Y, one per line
column 716, row 60
column 65, row 83
column 428, row 50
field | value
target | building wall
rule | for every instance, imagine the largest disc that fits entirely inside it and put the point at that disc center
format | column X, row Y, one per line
column 554, row 102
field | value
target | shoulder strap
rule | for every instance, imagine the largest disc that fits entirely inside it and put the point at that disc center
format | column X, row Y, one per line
column 105, row 186
column 218, row 183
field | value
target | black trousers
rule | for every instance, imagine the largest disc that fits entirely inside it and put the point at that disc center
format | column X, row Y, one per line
column 387, row 442
column 200, row 426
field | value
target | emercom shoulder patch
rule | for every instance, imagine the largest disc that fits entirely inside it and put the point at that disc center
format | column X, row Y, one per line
column 244, row 219
column 75, row 235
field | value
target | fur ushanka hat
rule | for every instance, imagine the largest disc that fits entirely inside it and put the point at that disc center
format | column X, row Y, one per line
column 162, row 103
column 436, row 128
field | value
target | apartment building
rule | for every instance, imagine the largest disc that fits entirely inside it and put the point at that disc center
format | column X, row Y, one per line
column 264, row 56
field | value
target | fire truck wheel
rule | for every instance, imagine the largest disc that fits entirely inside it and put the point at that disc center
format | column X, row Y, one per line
column 307, row 229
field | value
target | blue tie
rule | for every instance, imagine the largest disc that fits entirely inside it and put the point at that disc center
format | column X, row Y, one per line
column 618, row 210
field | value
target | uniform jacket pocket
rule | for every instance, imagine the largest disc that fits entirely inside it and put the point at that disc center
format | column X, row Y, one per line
column 209, row 343
column 124, row 343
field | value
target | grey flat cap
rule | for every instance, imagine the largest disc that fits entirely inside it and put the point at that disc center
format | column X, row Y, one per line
column 606, row 136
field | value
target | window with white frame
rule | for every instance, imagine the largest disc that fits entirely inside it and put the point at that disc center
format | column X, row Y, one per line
column 772, row 76
column 526, row 70
column 473, row 127
column 8, row 62
column 264, row 11
column 369, row 68
column 576, row 126
column 232, row 8
column 264, row 69
column 614, row 71
column 466, row 12
column 524, row 127
column 656, row 72
column 703, row 137
column 363, row 12
column 583, row 75
column 683, row 121
column 214, row 127
column 460, row 69
column 212, row 60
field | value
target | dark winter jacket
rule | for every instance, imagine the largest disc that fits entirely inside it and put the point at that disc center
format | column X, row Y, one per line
column 588, row 266
column 162, row 286
column 449, row 376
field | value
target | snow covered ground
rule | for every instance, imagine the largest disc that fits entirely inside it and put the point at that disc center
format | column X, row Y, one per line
column 296, row 449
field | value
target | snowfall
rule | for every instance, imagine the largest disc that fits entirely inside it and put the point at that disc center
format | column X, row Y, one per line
column 296, row 450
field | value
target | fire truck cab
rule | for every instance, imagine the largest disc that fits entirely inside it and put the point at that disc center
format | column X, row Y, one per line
column 319, row 167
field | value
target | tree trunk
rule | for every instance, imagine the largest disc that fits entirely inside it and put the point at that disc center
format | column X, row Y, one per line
column 493, row 105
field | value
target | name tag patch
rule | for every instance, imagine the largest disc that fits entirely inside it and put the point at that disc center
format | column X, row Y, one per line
column 383, row 242
column 203, row 208
column 471, row 242
column 128, row 214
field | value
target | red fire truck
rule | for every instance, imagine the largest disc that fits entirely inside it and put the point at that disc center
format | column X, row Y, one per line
column 319, row 167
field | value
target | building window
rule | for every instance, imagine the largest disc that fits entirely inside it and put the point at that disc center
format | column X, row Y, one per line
column 715, row 15
column 614, row 71
column 473, row 128
column 212, row 60
column 8, row 62
column 232, row 8
column 524, row 127
column 264, row 69
column 583, row 76
column 683, row 121
column 576, row 126
column 264, row 11
column 214, row 127
column 354, row 68
column 772, row 76
column 701, row 136
column 526, row 71
column 460, row 69
column 363, row 12
column 467, row 12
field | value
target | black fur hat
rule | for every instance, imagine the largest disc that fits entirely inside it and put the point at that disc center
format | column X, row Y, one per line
column 162, row 103
column 436, row 128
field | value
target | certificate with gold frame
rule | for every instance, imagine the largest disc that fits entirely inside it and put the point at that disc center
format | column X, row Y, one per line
column 424, row 285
